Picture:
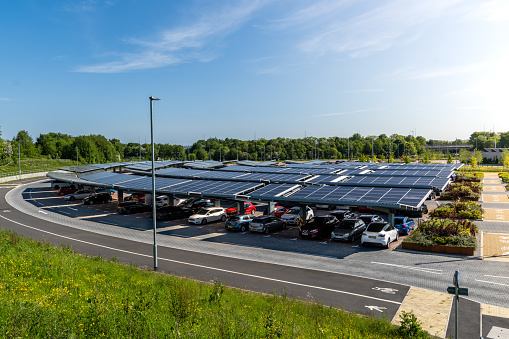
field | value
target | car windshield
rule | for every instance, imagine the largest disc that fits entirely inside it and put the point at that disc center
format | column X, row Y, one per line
column 376, row 227
column 346, row 224
column 398, row 221
column 319, row 220
column 202, row 211
column 366, row 219
column 296, row 211
column 259, row 220
column 235, row 218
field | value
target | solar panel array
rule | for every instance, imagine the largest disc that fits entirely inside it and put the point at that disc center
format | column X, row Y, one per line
column 361, row 195
column 273, row 191
column 374, row 181
column 226, row 189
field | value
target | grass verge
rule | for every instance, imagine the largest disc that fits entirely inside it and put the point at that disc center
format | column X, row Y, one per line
column 49, row 292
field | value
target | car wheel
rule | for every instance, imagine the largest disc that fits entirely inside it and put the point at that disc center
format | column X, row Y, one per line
column 203, row 221
column 397, row 236
column 223, row 218
column 284, row 225
column 91, row 202
column 60, row 193
column 243, row 228
column 388, row 243
column 266, row 230
column 71, row 198
column 56, row 187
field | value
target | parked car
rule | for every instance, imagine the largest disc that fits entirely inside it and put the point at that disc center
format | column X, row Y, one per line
column 238, row 222
column 343, row 214
column 106, row 190
column 319, row 227
column 266, row 223
column 97, row 198
column 130, row 207
column 415, row 213
column 249, row 208
column 64, row 190
column 404, row 225
column 279, row 211
column 348, row 229
column 381, row 233
column 207, row 214
column 369, row 218
column 292, row 217
column 56, row 185
column 78, row 195
column 172, row 212
column 202, row 203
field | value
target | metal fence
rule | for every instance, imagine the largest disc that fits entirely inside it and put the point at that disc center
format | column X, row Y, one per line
column 14, row 174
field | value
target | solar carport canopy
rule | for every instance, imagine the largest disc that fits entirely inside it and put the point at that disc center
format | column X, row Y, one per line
column 363, row 196
column 377, row 181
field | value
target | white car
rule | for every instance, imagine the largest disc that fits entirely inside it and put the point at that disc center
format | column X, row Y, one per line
column 207, row 214
column 78, row 195
column 381, row 233
column 293, row 216
column 164, row 200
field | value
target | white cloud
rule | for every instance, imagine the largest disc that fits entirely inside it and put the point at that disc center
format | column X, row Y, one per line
column 181, row 44
column 371, row 31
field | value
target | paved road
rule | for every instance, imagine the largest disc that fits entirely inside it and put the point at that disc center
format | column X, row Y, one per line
column 309, row 270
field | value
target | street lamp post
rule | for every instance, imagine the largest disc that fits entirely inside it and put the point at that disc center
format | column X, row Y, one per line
column 19, row 159
column 154, row 221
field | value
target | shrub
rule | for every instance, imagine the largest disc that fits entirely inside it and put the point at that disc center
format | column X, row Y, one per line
column 459, row 210
column 445, row 232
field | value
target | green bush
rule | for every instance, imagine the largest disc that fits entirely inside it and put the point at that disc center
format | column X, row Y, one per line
column 445, row 232
column 459, row 210
column 504, row 177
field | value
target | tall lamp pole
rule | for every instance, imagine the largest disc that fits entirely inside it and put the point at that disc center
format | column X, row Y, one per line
column 19, row 159
column 154, row 221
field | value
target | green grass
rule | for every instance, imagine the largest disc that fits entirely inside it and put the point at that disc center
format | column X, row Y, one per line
column 49, row 292
column 34, row 165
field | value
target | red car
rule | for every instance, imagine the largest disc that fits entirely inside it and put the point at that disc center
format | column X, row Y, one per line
column 279, row 211
column 67, row 190
column 249, row 208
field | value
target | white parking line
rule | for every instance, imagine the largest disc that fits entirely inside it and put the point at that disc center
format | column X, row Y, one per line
column 422, row 269
column 489, row 282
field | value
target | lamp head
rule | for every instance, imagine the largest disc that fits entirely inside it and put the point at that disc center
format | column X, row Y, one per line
column 152, row 98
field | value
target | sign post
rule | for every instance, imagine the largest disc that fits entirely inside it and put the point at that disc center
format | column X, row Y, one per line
column 457, row 291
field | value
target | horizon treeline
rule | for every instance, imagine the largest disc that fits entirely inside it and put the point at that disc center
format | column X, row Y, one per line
column 97, row 149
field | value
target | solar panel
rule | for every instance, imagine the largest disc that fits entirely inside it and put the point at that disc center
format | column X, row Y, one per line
column 209, row 187
column 273, row 191
column 145, row 183
column 110, row 178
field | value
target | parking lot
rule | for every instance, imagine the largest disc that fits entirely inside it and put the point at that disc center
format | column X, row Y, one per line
column 181, row 227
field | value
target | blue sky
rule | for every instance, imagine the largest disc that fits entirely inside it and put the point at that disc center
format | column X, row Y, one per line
column 237, row 69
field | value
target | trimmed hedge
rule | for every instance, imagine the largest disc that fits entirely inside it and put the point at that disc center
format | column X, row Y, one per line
column 462, row 191
column 459, row 210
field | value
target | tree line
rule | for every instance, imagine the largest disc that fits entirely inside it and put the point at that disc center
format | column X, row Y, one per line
column 97, row 149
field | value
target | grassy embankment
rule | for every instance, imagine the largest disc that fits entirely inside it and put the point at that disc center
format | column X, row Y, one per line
column 49, row 292
column 34, row 165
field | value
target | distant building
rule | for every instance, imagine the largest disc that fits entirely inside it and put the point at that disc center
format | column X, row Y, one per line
column 493, row 153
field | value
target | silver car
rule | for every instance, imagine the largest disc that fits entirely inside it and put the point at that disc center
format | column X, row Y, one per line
column 78, row 195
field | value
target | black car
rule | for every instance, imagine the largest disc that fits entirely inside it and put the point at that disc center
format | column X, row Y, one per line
column 129, row 207
column 97, row 198
column 172, row 213
column 348, row 229
column 343, row 214
column 202, row 203
column 319, row 227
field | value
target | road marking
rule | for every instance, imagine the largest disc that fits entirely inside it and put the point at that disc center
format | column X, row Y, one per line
column 387, row 290
column 422, row 269
column 494, row 283
column 206, row 236
column 74, row 209
column 376, row 308
column 43, row 212
column 205, row 267
column 495, row 276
